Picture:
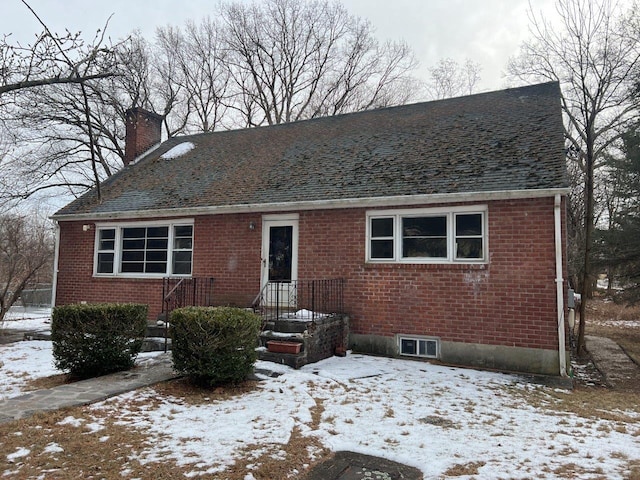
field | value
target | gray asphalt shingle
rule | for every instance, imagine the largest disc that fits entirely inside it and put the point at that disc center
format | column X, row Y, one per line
column 497, row 141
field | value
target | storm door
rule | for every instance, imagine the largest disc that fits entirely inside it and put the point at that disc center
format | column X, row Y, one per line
column 280, row 260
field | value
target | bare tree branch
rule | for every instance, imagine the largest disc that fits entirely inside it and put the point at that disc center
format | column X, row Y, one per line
column 595, row 57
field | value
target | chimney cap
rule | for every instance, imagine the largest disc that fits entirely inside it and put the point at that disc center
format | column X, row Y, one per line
column 137, row 111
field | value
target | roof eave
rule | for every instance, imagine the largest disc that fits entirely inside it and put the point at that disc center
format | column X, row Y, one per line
column 368, row 202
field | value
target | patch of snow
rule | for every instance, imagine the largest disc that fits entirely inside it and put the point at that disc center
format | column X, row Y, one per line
column 19, row 453
column 21, row 318
column 21, row 362
column 73, row 421
column 178, row 150
column 93, row 427
column 620, row 323
column 304, row 314
column 283, row 334
column 53, row 448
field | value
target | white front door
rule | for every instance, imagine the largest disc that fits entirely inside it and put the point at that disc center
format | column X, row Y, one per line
column 279, row 259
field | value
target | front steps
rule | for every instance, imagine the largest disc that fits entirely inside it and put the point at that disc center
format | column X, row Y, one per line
column 154, row 339
column 317, row 338
column 313, row 339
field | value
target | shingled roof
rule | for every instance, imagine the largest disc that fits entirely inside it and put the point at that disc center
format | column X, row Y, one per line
column 504, row 141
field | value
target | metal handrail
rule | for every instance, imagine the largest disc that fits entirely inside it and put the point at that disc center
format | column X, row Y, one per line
column 321, row 297
column 168, row 295
column 257, row 301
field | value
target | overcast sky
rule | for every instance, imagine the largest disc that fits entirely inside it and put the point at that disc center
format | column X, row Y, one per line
column 486, row 31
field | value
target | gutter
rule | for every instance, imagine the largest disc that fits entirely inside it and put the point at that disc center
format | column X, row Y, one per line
column 366, row 202
column 56, row 251
column 562, row 353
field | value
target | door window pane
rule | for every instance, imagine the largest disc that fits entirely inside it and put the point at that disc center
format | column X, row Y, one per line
column 280, row 253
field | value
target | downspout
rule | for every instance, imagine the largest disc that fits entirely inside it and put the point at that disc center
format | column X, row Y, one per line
column 54, row 283
column 562, row 353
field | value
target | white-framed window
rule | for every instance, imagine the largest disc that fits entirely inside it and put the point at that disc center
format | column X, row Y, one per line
column 143, row 249
column 419, row 346
column 428, row 235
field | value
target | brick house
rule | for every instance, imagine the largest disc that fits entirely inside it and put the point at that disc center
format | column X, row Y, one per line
column 445, row 220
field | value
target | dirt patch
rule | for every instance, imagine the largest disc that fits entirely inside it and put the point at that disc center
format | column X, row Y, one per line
column 464, row 469
column 48, row 382
column 70, row 444
column 191, row 394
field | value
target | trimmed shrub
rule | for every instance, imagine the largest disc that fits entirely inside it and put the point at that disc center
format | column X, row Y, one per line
column 214, row 345
column 90, row 340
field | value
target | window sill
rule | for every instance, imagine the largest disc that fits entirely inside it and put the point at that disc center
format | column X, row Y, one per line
column 427, row 265
column 134, row 276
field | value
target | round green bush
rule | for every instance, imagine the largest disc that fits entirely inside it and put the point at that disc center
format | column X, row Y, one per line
column 90, row 340
column 214, row 345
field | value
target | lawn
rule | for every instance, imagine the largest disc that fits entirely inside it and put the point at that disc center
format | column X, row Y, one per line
column 448, row 422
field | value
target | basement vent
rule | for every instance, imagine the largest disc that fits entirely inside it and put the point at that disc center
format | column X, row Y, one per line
column 419, row 347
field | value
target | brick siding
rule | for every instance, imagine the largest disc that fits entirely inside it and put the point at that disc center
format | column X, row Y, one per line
column 510, row 301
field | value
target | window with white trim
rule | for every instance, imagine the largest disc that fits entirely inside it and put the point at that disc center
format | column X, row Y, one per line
column 419, row 347
column 427, row 235
column 139, row 249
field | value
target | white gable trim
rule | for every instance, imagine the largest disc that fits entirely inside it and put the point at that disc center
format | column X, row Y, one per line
column 370, row 202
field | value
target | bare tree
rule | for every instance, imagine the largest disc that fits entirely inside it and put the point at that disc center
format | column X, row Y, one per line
column 77, row 144
column 291, row 60
column 202, row 78
column 59, row 67
column 26, row 251
column 53, row 59
column 595, row 58
column 450, row 79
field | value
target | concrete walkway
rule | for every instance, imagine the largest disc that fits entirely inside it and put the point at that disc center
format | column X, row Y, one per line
column 618, row 369
column 148, row 372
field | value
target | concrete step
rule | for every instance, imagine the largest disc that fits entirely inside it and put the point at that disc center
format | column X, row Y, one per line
column 154, row 330
column 290, row 326
column 268, row 335
column 292, row 360
column 155, row 344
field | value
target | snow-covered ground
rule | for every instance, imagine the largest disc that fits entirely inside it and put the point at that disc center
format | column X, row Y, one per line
column 428, row 416
column 21, row 362
column 28, row 318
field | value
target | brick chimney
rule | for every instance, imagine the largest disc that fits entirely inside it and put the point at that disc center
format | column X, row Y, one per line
column 143, row 131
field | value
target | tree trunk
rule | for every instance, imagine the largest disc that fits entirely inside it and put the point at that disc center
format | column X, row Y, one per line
column 588, row 240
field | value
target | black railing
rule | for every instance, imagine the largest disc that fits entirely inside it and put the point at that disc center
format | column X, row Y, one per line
column 186, row 292
column 309, row 298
